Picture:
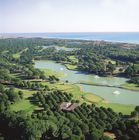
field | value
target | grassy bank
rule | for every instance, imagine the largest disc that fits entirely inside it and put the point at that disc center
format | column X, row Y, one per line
column 89, row 97
column 125, row 109
column 130, row 86
column 127, row 86
column 70, row 66
column 17, row 55
column 77, row 92
column 50, row 72
column 24, row 104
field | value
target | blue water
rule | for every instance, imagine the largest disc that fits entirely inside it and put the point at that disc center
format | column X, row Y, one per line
column 130, row 37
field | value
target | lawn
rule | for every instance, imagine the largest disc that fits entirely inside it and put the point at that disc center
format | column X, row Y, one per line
column 73, row 58
column 25, row 103
column 92, row 98
column 125, row 109
column 71, row 67
column 17, row 55
column 77, row 92
column 50, row 72
column 89, row 97
column 131, row 86
column 27, row 93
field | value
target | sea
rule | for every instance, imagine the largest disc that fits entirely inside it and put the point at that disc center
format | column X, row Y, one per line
column 128, row 37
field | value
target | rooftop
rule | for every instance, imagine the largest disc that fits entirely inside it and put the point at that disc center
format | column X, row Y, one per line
column 68, row 106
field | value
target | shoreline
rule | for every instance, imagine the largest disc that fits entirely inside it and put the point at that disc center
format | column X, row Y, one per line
column 101, row 85
column 118, row 107
column 41, row 35
column 79, row 94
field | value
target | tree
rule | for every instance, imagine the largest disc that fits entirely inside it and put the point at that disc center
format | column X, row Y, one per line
column 74, row 137
column 110, row 67
column 95, row 136
column 21, row 94
column 2, row 106
column 124, row 137
column 137, row 110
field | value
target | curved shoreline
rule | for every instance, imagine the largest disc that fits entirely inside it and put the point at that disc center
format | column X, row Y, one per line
column 68, row 67
column 85, row 93
column 93, row 84
column 101, row 85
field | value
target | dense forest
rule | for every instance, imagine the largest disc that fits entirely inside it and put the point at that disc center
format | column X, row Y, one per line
column 51, row 120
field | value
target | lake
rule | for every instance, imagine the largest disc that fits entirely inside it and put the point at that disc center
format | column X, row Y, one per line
column 125, row 96
column 59, row 48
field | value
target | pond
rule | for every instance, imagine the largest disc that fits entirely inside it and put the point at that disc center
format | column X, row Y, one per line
column 123, row 96
column 60, row 48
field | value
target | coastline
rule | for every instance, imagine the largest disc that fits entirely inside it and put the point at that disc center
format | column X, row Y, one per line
column 83, row 36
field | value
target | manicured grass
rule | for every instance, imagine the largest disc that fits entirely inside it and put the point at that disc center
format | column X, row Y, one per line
column 125, row 109
column 136, row 66
column 77, row 92
column 71, row 67
column 131, row 86
column 89, row 97
column 50, row 72
column 24, row 104
column 73, row 58
column 92, row 98
column 16, row 55
column 27, row 93
column 110, row 60
column 128, row 86
column 5, row 51
column 113, row 62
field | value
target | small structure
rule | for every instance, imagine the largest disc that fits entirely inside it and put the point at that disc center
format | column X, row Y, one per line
column 116, row 92
column 96, row 76
column 110, row 135
column 68, row 106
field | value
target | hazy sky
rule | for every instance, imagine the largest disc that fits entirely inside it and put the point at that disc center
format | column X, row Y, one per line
column 69, row 15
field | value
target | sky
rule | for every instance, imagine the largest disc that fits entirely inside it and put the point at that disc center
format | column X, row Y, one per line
column 20, row 16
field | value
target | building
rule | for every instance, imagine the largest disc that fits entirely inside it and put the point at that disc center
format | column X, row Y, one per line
column 68, row 106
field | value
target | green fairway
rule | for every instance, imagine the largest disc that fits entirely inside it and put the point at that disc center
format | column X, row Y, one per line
column 27, row 93
column 77, row 92
column 71, row 67
column 131, row 86
column 89, row 97
column 25, row 103
column 125, row 109
column 17, row 55
column 73, row 58
column 49, row 72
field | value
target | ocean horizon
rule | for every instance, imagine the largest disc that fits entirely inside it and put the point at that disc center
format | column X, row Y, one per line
column 127, row 37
